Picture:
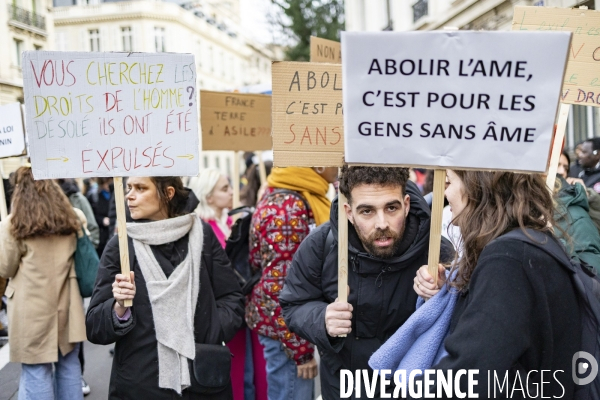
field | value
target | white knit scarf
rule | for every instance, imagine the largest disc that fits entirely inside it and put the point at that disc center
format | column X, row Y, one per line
column 173, row 300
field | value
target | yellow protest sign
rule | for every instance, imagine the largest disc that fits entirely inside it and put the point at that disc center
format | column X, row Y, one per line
column 325, row 51
column 235, row 121
column 307, row 114
column 582, row 78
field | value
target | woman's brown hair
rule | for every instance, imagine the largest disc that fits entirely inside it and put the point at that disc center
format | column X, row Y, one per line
column 498, row 202
column 40, row 208
column 176, row 206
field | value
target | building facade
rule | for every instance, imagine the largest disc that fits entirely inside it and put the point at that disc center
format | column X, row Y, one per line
column 226, row 60
column 409, row 15
column 24, row 25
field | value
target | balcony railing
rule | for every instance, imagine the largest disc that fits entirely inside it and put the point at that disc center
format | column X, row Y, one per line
column 419, row 10
column 26, row 17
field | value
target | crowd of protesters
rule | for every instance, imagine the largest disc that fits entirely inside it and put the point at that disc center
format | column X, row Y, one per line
column 192, row 333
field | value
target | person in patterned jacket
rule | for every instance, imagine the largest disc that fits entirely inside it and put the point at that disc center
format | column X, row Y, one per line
column 294, row 203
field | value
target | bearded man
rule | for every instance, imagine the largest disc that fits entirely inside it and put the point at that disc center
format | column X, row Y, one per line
column 388, row 240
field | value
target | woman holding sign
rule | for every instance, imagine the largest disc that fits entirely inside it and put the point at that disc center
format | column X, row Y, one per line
column 186, row 300
column 517, row 314
column 45, row 309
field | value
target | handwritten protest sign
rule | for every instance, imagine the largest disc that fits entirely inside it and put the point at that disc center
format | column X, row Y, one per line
column 307, row 114
column 582, row 79
column 325, row 51
column 111, row 114
column 12, row 134
column 484, row 100
column 235, row 121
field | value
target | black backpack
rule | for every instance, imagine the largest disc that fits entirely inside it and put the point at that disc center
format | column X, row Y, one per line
column 587, row 287
column 237, row 246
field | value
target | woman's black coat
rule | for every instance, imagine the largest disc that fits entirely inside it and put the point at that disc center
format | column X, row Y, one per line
column 218, row 316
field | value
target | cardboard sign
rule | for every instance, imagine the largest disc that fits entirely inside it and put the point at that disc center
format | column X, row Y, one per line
column 582, row 78
column 325, row 51
column 12, row 134
column 307, row 115
column 111, row 114
column 235, row 121
column 483, row 100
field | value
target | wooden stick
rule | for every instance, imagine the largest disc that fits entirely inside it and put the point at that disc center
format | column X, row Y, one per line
column 235, row 179
column 262, row 170
column 3, row 208
column 559, row 137
column 435, row 231
column 122, row 230
column 342, row 250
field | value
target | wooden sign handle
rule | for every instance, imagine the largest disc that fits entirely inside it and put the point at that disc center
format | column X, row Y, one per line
column 435, row 231
column 122, row 230
column 262, row 170
column 3, row 207
column 235, row 179
column 561, row 127
column 342, row 250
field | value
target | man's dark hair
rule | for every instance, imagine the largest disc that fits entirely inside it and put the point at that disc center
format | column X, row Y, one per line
column 595, row 143
column 352, row 177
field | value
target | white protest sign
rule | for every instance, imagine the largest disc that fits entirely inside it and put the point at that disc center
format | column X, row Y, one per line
column 12, row 135
column 484, row 100
column 111, row 114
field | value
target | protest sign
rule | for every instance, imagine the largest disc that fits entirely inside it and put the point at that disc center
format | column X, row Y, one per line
column 482, row 100
column 307, row 115
column 235, row 121
column 111, row 114
column 582, row 78
column 12, row 134
column 325, row 51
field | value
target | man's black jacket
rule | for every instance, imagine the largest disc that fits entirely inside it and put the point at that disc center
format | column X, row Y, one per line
column 381, row 291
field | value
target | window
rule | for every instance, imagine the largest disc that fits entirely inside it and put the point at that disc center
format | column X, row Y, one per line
column 231, row 68
column 37, row 47
column 159, row 39
column 127, row 38
column 18, row 51
column 217, row 162
column 61, row 41
column 420, row 9
column 94, row 40
column 211, row 61
column 205, row 161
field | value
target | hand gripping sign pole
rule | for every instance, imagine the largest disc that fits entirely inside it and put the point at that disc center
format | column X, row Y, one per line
column 122, row 230
column 328, row 51
column 342, row 249
column 435, row 230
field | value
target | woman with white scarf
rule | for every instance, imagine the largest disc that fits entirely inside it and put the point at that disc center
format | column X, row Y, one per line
column 183, row 289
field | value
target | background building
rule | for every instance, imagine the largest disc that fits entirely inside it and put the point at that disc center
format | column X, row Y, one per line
column 408, row 15
column 24, row 25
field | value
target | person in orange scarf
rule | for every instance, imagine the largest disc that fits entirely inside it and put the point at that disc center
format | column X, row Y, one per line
column 294, row 203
